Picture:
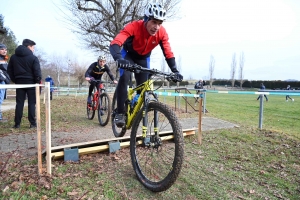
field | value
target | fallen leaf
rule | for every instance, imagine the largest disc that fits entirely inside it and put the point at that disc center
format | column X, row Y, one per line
column 6, row 188
column 15, row 184
column 251, row 191
column 72, row 193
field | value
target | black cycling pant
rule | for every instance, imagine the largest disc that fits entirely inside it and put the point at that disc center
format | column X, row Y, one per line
column 288, row 97
column 20, row 99
column 124, row 79
column 92, row 86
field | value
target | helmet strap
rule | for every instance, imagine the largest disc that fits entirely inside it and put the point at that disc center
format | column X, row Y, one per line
column 146, row 19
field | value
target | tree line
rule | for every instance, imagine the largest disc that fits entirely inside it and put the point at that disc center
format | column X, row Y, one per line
column 64, row 69
column 271, row 85
column 233, row 71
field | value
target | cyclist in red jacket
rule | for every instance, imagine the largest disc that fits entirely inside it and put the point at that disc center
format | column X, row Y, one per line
column 138, row 39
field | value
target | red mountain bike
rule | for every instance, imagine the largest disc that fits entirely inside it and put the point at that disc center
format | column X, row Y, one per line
column 101, row 103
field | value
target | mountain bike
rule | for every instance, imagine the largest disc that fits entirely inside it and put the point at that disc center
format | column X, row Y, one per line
column 156, row 141
column 101, row 103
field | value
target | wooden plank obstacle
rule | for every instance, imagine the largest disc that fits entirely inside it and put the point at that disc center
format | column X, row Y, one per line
column 103, row 145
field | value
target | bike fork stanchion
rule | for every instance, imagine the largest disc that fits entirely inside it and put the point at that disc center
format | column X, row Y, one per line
column 145, row 126
column 261, row 110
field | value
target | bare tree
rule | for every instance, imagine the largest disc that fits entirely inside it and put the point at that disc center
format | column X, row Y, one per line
column 79, row 72
column 41, row 55
column 57, row 64
column 178, row 62
column 163, row 64
column 241, row 75
column 211, row 70
column 97, row 22
column 233, row 70
column 163, row 67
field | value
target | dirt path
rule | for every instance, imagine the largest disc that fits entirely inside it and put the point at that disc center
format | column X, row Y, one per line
column 10, row 104
column 26, row 144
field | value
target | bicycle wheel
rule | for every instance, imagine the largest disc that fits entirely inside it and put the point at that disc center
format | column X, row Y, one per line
column 118, row 132
column 104, row 109
column 90, row 111
column 158, row 165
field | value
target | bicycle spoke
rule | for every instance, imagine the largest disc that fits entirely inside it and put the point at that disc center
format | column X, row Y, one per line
column 157, row 165
column 104, row 109
column 90, row 111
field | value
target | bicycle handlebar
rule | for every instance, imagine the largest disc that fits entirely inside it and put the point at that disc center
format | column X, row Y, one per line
column 99, row 81
column 137, row 68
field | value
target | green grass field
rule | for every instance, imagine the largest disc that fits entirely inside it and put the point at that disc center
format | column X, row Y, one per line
column 243, row 109
column 278, row 115
column 238, row 163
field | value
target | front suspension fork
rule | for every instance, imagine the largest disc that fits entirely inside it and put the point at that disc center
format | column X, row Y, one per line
column 149, row 140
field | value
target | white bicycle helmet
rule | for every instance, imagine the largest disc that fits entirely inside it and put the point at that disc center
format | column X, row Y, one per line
column 102, row 57
column 156, row 11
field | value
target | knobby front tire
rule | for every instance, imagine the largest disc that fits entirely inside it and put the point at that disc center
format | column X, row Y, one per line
column 90, row 111
column 118, row 132
column 157, row 168
column 104, row 109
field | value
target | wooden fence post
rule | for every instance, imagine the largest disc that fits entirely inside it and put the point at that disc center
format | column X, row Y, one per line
column 200, row 123
column 38, row 128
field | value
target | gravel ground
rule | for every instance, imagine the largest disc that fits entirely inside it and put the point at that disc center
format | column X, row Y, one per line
column 26, row 144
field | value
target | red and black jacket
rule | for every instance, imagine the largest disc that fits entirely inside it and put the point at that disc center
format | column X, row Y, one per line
column 138, row 43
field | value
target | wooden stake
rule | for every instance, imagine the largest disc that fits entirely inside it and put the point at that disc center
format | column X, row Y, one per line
column 48, row 127
column 200, row 123
column 38, row 128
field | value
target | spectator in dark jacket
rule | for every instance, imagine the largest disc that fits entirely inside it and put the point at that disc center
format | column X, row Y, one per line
column 4, row 77
column 262, row 87
column 24, row 68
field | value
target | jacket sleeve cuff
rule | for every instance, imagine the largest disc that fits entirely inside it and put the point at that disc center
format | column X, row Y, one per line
column 115, row 51
column 172, row 64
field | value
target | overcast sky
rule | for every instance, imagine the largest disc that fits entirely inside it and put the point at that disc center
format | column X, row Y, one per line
column 267, row 31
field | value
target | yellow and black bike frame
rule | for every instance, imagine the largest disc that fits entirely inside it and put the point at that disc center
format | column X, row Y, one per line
column 145, row 89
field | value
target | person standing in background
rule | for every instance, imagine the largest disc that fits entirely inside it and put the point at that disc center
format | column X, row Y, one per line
column 24, row 68
column 262, row 87
column 287, row 97
column 4, row 77
column 49, row 79
column 199, row 85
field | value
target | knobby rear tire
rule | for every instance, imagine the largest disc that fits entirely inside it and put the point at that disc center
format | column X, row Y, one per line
column 118, row 132
column 157, row 169
column 104, row 108
column 90, row 108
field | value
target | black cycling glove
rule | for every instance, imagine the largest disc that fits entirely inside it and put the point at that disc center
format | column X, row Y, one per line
column 91, row 79
column 179, row 77
column 122, row 63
